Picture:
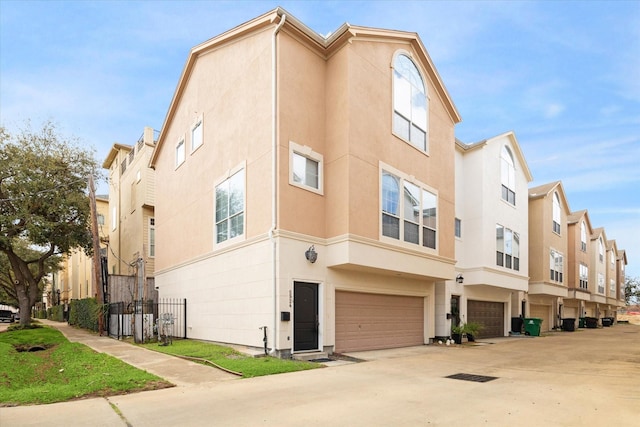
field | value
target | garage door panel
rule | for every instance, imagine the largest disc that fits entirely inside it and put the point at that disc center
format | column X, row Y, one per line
column 374, row 321
column 490, row 314
column 542, row 312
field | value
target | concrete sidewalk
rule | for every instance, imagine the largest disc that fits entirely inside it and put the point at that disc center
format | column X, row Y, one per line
column 588, row 378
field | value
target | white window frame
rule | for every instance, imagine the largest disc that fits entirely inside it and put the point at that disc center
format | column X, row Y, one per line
column 457, row 228
column 556, row 266
column 507, row 176
column 308, row 153
column 583, row 236
column 509, row 256
column 584, row 276
column 601, row 288
column 225, row 178
column 413, row 121
column 197, row 139
column 557, row 214
column 180, row 152
column 404, row 178
column 114, row 218
column 152, row 232
column 600, row 249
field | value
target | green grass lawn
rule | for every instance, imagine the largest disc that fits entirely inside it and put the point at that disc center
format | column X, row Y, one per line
column 62, row 371
column 231, row 359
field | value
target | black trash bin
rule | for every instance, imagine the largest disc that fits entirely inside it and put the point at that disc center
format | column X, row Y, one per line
column 606, row 321
column 592, row 322
column 569, row 324
column 516, row 324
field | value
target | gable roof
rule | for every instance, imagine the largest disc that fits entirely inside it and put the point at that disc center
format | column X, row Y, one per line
column 597, row 233
column 514, row 143
column 325, row 46
column 622, row 256
column 575, row 217
column 113, row 153
column 545, row 190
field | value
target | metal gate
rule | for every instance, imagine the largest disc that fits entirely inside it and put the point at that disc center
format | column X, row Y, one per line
column 138, row 319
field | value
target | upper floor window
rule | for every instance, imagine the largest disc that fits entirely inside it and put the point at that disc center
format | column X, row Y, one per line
column 583, row 236
column 612, row 258
column 600, row 250
column 507, row 248
column 508, row 176
column 600, row 283
column 555, row 266
column 114, row 218
column 196, row 134
column 100, row 219
column 584, row 276
column 152, row 237
column 305, row 168
column 612, row 286
column 458, row 227
column 180, row 152
column 230, row 207
column 556, row 213
column 409, row 102
column 414, row 215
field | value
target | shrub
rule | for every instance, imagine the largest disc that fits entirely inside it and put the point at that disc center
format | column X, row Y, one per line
column 84, row 313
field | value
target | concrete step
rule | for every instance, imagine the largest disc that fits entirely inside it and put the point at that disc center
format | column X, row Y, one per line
column 312, row 355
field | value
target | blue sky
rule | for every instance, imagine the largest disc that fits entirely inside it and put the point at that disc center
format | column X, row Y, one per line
column 565, row 76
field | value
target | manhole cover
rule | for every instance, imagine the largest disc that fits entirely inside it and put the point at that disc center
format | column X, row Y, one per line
column 472, row 377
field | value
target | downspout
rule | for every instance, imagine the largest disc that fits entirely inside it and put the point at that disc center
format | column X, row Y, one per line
column 274, row 180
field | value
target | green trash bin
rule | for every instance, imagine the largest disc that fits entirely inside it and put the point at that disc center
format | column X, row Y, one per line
column 582, row 323
column 532, row 326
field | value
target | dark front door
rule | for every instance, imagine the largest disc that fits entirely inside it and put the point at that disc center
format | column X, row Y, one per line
column 305, row 316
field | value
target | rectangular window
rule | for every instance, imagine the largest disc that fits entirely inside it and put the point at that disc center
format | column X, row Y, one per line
column 556, row 265
column 180, row 152
column 600, row 283
column 305, row 166
column 123, row 166
column 408, row 210
column 458, row 227
column 100, row 219
column 612, row 286
column 230, row 207
column 584, row 276
column 556, row 227
column 583, row 246
column 196, row 135
column 114, row 218
column 152, row 237
column 132, row 154
column 507, row 248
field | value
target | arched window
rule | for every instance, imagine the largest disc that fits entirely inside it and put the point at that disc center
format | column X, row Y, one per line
column 409, row 102
column 601, row 249
column 583, row 236
column 556, row 213
column 508, row 176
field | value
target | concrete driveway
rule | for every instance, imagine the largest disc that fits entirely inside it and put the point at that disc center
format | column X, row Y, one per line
column 586, row 378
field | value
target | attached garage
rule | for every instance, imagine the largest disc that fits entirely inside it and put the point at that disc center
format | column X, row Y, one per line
column 374, row 321
column 490, row 314
column 542, row 312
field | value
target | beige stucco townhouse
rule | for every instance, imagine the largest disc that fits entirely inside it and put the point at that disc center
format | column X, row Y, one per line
column 548, row 247
column 132, row 188
column 578, row 265
column 596, row 307
column 307, row 187
column 620, row 276
column 491, row 234
column 75, row 279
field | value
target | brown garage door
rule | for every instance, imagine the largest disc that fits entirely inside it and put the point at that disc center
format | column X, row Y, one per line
column 373, row 321
column 489, row 314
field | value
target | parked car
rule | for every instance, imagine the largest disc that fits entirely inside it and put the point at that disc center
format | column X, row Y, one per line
column 6, row 316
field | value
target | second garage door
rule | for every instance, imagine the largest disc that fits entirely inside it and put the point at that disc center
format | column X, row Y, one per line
column 489, row 314
column 374, row 321
column 542, row 312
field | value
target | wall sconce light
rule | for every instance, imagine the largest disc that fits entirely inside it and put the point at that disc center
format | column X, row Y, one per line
column 459, row 278
column 311, row 255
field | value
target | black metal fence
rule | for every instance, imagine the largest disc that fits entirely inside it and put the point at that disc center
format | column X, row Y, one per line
column 140, row 319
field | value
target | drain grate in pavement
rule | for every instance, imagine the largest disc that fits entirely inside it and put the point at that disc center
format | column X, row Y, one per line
column 472, row 377
column 321, row 360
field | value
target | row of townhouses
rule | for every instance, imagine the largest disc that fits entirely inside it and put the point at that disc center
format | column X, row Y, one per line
column 314, row 185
